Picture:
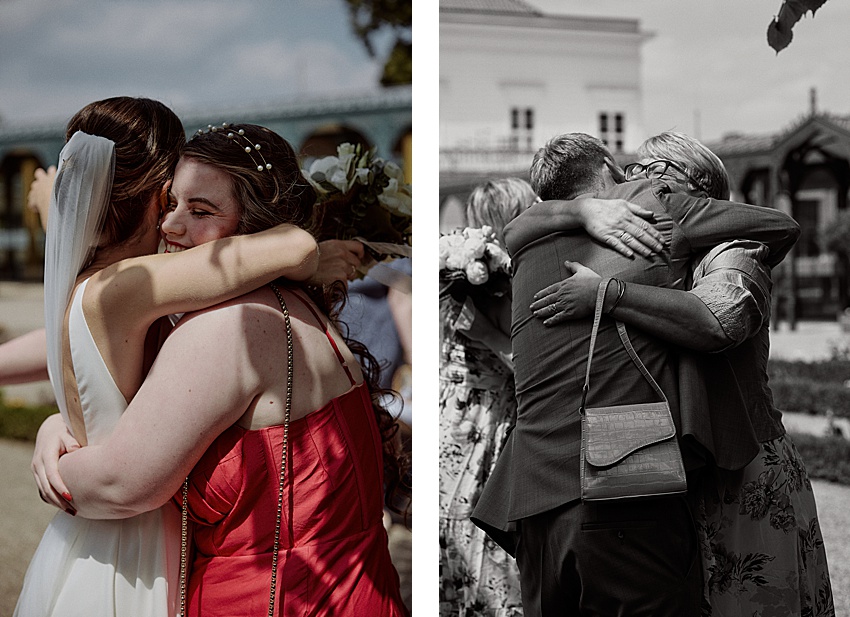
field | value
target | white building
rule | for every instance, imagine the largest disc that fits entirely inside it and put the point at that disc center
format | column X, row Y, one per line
column 511, row 77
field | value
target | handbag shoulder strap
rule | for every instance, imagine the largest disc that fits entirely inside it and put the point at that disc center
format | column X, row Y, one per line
column 597, row 317
column 624, row 338
column 627, row 343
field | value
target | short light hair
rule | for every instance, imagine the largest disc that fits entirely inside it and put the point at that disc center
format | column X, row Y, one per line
column 701, row 163
column 497, row 202
column 569, row 165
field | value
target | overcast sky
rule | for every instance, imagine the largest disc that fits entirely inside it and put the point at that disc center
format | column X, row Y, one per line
column 708, row 69
column 58, row 55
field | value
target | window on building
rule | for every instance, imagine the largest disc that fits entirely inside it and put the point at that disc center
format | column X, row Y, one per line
column 612, row 129
column 522, row 128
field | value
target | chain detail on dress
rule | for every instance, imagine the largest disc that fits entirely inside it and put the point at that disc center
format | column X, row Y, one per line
column 184, row 529
column 285, row 443
column 184, row 512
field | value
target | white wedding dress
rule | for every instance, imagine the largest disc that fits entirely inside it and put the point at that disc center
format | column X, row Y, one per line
column 102, row 568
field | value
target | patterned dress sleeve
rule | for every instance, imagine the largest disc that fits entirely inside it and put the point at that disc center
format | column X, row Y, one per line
column 734, row 283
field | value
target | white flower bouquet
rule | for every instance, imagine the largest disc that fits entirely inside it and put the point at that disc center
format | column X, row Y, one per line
column 474, row 255
column 360, row 196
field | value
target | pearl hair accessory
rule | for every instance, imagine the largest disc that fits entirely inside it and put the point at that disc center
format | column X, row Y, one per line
column 235, row 136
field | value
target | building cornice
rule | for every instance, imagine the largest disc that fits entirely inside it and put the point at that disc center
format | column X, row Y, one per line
column 544, row 22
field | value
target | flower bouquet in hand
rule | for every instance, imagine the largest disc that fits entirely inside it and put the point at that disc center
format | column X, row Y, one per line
column 473, row 262
column 362, row 197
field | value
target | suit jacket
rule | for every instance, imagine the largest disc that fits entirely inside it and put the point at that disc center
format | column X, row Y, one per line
column 538, row 469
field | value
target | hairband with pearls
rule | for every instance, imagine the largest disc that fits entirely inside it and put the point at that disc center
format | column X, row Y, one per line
column 250, row 148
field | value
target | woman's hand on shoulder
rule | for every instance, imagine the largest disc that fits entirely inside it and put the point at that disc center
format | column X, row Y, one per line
column 338, row 261
column 572, row 298
column 625, row 227
column 52, row 442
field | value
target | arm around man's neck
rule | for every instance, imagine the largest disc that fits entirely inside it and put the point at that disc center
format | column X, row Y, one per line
column 542, row 219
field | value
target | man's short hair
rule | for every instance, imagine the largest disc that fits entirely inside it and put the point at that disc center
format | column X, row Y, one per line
column 568, row 165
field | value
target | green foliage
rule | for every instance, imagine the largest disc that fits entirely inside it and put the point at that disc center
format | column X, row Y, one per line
column 399, row 66
column 826, row 458
column 21, row 421
column 370, row 16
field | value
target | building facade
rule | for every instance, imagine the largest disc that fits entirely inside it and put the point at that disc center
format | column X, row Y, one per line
column 512, row 76
column 803, row 170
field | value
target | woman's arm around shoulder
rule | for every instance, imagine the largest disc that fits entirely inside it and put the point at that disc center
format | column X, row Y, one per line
column 135, row 292
column 203, row 380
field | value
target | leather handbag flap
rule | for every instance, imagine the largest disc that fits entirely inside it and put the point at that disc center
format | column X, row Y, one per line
column 613, row 433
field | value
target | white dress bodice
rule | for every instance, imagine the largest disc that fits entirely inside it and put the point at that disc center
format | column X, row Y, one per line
column 106, row 568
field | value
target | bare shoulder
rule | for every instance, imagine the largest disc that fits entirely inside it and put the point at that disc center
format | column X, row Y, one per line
column 257, row 306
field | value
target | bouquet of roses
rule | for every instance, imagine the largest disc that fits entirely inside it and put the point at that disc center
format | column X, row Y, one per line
column 361, row 196
column 475, row 256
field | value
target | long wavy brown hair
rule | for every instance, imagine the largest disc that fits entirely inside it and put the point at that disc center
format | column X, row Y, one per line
column 280, row 194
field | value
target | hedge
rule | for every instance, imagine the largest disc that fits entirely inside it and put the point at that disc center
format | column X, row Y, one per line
column 826, row 458
column 826, row 371
column 22, row 422
column 811, row 387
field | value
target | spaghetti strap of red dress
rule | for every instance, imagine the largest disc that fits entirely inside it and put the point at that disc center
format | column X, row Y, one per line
column 333, row 557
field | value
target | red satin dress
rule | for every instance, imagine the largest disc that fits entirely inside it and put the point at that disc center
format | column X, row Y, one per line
column 333, row 557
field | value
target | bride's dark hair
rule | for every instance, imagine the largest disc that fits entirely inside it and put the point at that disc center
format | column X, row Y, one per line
column 148, row 137
column 270, row 189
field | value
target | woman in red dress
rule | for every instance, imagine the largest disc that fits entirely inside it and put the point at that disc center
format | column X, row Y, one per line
column 238, row 389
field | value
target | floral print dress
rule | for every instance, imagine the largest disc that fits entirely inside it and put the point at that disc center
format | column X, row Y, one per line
column 762, row 549
column 477, row 405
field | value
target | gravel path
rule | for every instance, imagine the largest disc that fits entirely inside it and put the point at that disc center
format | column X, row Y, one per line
column 23, row 517
column 833, row 506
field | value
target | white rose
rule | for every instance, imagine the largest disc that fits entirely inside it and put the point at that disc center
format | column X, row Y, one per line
column 322, row 170
column 475, row 242
column 363, row 175
column 497, row 258
column 396, row 198
column 459, row 258
column 477, row 273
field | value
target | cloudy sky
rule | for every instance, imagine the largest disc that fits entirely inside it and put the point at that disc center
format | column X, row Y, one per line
column 708, row 69
column 58, row 55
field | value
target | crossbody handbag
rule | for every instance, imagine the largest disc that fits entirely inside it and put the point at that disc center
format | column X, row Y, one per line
column 631, row 450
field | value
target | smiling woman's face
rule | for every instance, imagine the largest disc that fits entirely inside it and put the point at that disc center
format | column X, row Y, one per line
column 201, row 206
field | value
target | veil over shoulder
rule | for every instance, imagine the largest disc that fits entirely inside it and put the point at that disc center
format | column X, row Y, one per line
column 77, row 211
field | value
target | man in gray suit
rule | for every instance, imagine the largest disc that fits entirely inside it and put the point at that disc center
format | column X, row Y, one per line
column 626, row 557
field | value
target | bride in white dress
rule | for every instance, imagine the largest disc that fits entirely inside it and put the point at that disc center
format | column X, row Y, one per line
column 105, row 290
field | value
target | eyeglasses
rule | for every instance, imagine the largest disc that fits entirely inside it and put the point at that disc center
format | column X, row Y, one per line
column 658, row 169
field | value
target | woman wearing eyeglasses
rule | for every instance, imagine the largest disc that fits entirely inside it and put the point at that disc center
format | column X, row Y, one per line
column 761, row 542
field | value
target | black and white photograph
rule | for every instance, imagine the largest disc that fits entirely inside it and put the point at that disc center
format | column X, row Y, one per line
column 643, row 307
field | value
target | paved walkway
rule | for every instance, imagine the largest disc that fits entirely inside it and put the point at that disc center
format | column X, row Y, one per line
column 23, row 518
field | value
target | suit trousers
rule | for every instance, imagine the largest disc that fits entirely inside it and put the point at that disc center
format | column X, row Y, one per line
column 624, row 558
